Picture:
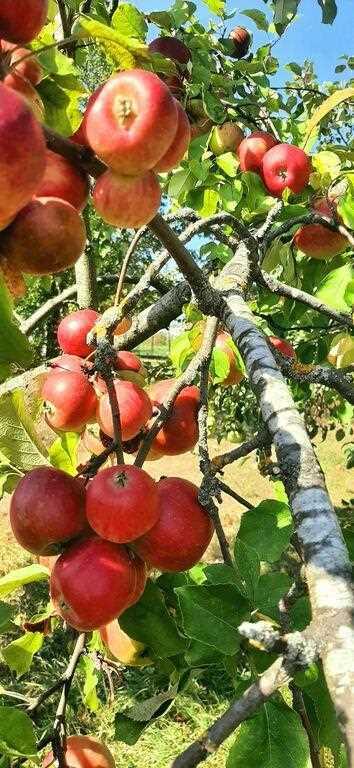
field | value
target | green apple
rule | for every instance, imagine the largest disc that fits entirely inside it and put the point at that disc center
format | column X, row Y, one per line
column 226, row 138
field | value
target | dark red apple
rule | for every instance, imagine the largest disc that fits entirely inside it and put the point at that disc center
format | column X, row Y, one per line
column 21, row 20
column 179, row 146
column 282, row 346
column 25, row 88
column 70, row 401
column 183, row 532
column 252, row 149
column 318, row 241
column 93, row 582
column 127, row 201
column 171, row 48
column 134, row 406
column 179, row 433
column 285, row 166
column 61, row 179
column 73, row 329
column 241, row 40
column 47, row 510
column 122, row 503
column 132, row 122
column 83, row 752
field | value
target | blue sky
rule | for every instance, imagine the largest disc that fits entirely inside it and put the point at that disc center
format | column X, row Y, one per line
column 306, row 38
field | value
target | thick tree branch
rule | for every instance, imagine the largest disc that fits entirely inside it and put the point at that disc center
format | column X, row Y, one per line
column 328, row 377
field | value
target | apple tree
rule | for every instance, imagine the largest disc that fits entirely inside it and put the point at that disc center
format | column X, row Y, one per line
column 130, row 141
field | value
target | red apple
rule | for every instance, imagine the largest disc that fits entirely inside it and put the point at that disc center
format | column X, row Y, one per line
column 171, row 48
column 282, row 346
column 47, row 236
column 132, row 122
column 134, row 406
column 28, row 66
column 47, row 510
column 129, row 367
column 140, row 578
column 318, row 241
column 184, row 529
column 225, row 343
column 122, row 503
column 179, row 146
column 65, row 362
column 21, row 20
column 24, row 87
column 241, row 40
column 22, row 153
column 127, row 201
column 61, row 179
column 83, row 752
column 92, row 583
column 252, row 150
column 175, row 84
column 179, row 433
column 73, row 329
column 285, row 166
column 70, row 401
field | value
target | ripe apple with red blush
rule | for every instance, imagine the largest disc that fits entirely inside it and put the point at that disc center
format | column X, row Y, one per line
column 252, row 149
column 129, row 368
column 127, row 201
column 180, row 143
column 225, row 344
column 133, row 122
column 61, row 179
column 183, row 531
column 122, row 503
column 135, row 410
column 66, row 362
column 21, row 20
column 282, row 346
column 171, row 48
column 93, row 582
column 285, row 166
column 28, row 65
column 47, row 510
column 73, row 329
column 318, row 241
column 70, row 401
column 179, row 432
column 83, row 752
column 241, row 41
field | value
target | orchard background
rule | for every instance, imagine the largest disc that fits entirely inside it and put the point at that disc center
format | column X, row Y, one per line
column 238, row 651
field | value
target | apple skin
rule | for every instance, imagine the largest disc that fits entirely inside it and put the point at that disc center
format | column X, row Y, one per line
column 92, row 583
column 129, row 368
column 226, row 138
column 29, row 68
column 241, row 39
column 22, row 153
column 122, row 647
column 285, row 166
column 127, row 201
column 171, row 48
column 252, row 149
column 179, row 433
column 61, row 179
column 25, row 88
column 122, row 503
column 318, row 241
column 66, row 362
column 175, row 84
column 70, row 401
column 282, row 346
column 20, row 21
column 83, row 752
column 134, row 406
column 47, row 510
column 224, row 342
column 132, row 122
column 183, row 532
column 73, row 329
column 179, row 146
column 47, row 236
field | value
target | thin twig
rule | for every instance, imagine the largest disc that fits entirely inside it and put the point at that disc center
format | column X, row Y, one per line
column 261, row 439
column 117, row 428
column 234, row 495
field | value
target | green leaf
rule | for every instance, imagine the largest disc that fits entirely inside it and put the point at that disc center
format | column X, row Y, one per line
column 213, row 106
column 161, row 19
column 6, row 613
column 258, row 17
column 18, row 578
column 346, row 207
column 17, row 737
column 149, row 622
column 181, row 351
column 333, row 286
column 212, row 613
column 89, row 693
column 20, row 443
column 267, row 529
column 284, row 12
column 18, row 655
column 210, row 200
column 228, row 163
column 322, row 714
column 129, row 21
column 63, row 452
column 247, row 569
column 300, row 614
column 131, row 723
column 219, row 365
column 256, row 201
column 181, row 183
column 125, row 51
column 271, row 739
column 215, row 6
column 61, row 97
column 329, row 10
column 14, row 345
column 271, row 588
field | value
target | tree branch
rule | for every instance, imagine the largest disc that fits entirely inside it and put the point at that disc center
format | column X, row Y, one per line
column 260, row 440
column 329, row 377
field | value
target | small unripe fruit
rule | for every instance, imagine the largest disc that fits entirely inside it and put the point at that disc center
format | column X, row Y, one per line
column 224, row 342
column 127, row 201
column 226, row 138
column 241, row 40
column 73, row 329
column 47, row 509
column 122, row 647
